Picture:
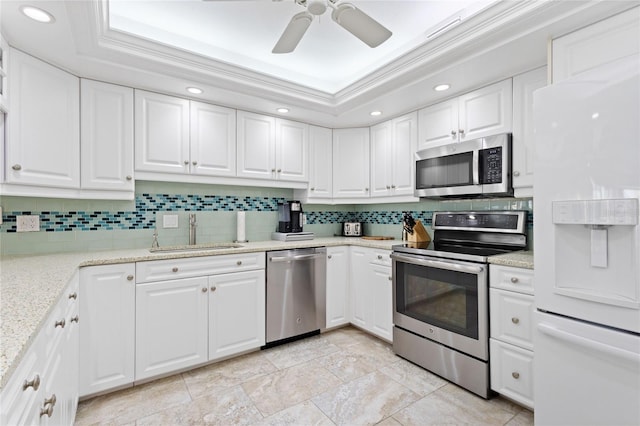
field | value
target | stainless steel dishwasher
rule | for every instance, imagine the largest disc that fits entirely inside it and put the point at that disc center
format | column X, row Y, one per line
column 295, row 293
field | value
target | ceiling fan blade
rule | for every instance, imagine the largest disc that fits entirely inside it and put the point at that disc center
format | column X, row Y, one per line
column 293, row 33
column 361, row 25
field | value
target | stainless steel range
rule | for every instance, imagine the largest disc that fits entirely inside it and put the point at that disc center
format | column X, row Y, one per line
column 441, row 289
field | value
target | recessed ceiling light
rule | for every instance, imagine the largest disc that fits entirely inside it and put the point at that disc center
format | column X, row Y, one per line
column 37, row 14
column 441, row 87
column 283, row 110
column 194, row 90
column 375, row 113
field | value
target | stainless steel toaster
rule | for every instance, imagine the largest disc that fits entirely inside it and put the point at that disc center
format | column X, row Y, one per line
column 352, row 229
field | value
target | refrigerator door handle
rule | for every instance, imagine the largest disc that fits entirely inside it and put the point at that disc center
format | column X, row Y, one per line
column 619, row 353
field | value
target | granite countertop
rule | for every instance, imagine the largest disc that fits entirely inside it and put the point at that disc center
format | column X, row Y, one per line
column 30, row 286
column 518, row 259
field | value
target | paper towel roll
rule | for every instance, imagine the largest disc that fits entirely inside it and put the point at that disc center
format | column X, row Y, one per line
column 241, row 236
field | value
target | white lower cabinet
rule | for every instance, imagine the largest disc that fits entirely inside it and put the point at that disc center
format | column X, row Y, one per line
column 43, row 389
column 371, row 291
column 338, row 311
column 512, row 329
column 171, row 325
column 107, row 334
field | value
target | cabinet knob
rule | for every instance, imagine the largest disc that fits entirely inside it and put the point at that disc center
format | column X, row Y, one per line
column 515, row 375
column 129, row 177
column 515, row 320
column 390, row 278
column 366, row 190
column 60, row 323
column 213, row 288
column 379, row 257
column 186, row 163
column 33, row 383
column 516, row 173
column 328, row 256
column 273, row 170
column 73, row 295
column 453, row 134
column 195, row 163
column 129, row 277
column 514, row 279
column 16, row 167
column 388, row 187
column 204, row 289
column 46, row 410
column 313, row 189
column 393, row 187
column 279, row 170
column 51, row 400
column 174, row 269
column 461, row 131
column 75, row 319
column 239, row 262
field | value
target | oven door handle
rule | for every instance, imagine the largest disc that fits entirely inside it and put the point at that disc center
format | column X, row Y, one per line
column 440, row 264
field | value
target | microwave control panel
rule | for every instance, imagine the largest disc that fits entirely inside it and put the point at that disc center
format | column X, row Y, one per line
column 491, row 165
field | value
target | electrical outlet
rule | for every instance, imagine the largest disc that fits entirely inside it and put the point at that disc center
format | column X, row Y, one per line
column 28, row 223
column 170, row 221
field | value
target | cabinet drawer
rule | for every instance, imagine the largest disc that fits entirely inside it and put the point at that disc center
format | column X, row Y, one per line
column 18, row 405
column 161, row 270
column 510, row 278
column 512, row 317
column 379, row 257
column 512, row 372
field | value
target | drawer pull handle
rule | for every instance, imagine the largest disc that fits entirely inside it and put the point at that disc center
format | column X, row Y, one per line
column 514, row 279
column 129, row 177
column 213, row 288
column 174, row 269
column 515, row 320
column 204, row 289
column 47, row 409
column 328, row 256
column 33, row 383
column 379, row 257
column 75, row 319
column 60, row 323
column 129, row 277
column 16, row 167
column 239, row 262
column 73, row 295
column 51, row 400
column 515, row 375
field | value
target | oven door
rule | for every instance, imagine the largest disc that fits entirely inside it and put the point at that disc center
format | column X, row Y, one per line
column 442, row 300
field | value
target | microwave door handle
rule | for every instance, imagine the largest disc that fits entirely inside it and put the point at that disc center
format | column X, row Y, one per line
column 476, row 167
column 440, row 264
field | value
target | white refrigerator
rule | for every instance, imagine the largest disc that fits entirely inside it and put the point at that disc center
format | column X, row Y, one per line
column 587, row 248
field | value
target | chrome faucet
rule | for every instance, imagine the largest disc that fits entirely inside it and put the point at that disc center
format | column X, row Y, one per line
column 192, row 228
column 154, row 243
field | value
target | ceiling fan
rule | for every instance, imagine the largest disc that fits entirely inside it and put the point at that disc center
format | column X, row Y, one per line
column 349, row 17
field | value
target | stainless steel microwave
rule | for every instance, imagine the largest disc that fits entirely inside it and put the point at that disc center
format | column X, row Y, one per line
column 474, row 168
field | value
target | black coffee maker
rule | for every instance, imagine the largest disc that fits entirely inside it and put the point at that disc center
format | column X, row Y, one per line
column 290, row 216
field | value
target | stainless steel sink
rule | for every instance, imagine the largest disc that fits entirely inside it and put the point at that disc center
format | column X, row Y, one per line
column 196, row 247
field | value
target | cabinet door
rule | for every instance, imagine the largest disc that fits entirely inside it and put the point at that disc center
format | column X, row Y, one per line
column 351, row 163
column 107, row 333
column 438, row 124
column 359, row 280
column 512, row 372
column 106, row 136
column 171, row 325
column 292, row 151
column 213, row 140
column 404, row 146
column 256, row 146
column 162, row 133
column 337, row 286
column 523, row 138
column 320, row 162
column 485, row 112
column 236, row 313
column 380, row 294
column 381, row 159
column 43, row 128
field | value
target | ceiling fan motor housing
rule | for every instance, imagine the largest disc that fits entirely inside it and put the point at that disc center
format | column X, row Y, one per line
column 316, row 7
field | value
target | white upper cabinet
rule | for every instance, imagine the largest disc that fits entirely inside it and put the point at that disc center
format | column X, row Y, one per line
column 162, row 133
column 523, row 138
column 483, row 112
column 320, row 159
column 4, row 69
column 213, row 140
column 595, row 45
column 43, row 127
column 272, row 148
column 393, row 144
column 106, row 136
column 351, row 163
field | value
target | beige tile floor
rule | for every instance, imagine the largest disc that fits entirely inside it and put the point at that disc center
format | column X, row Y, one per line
column 344, row 377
